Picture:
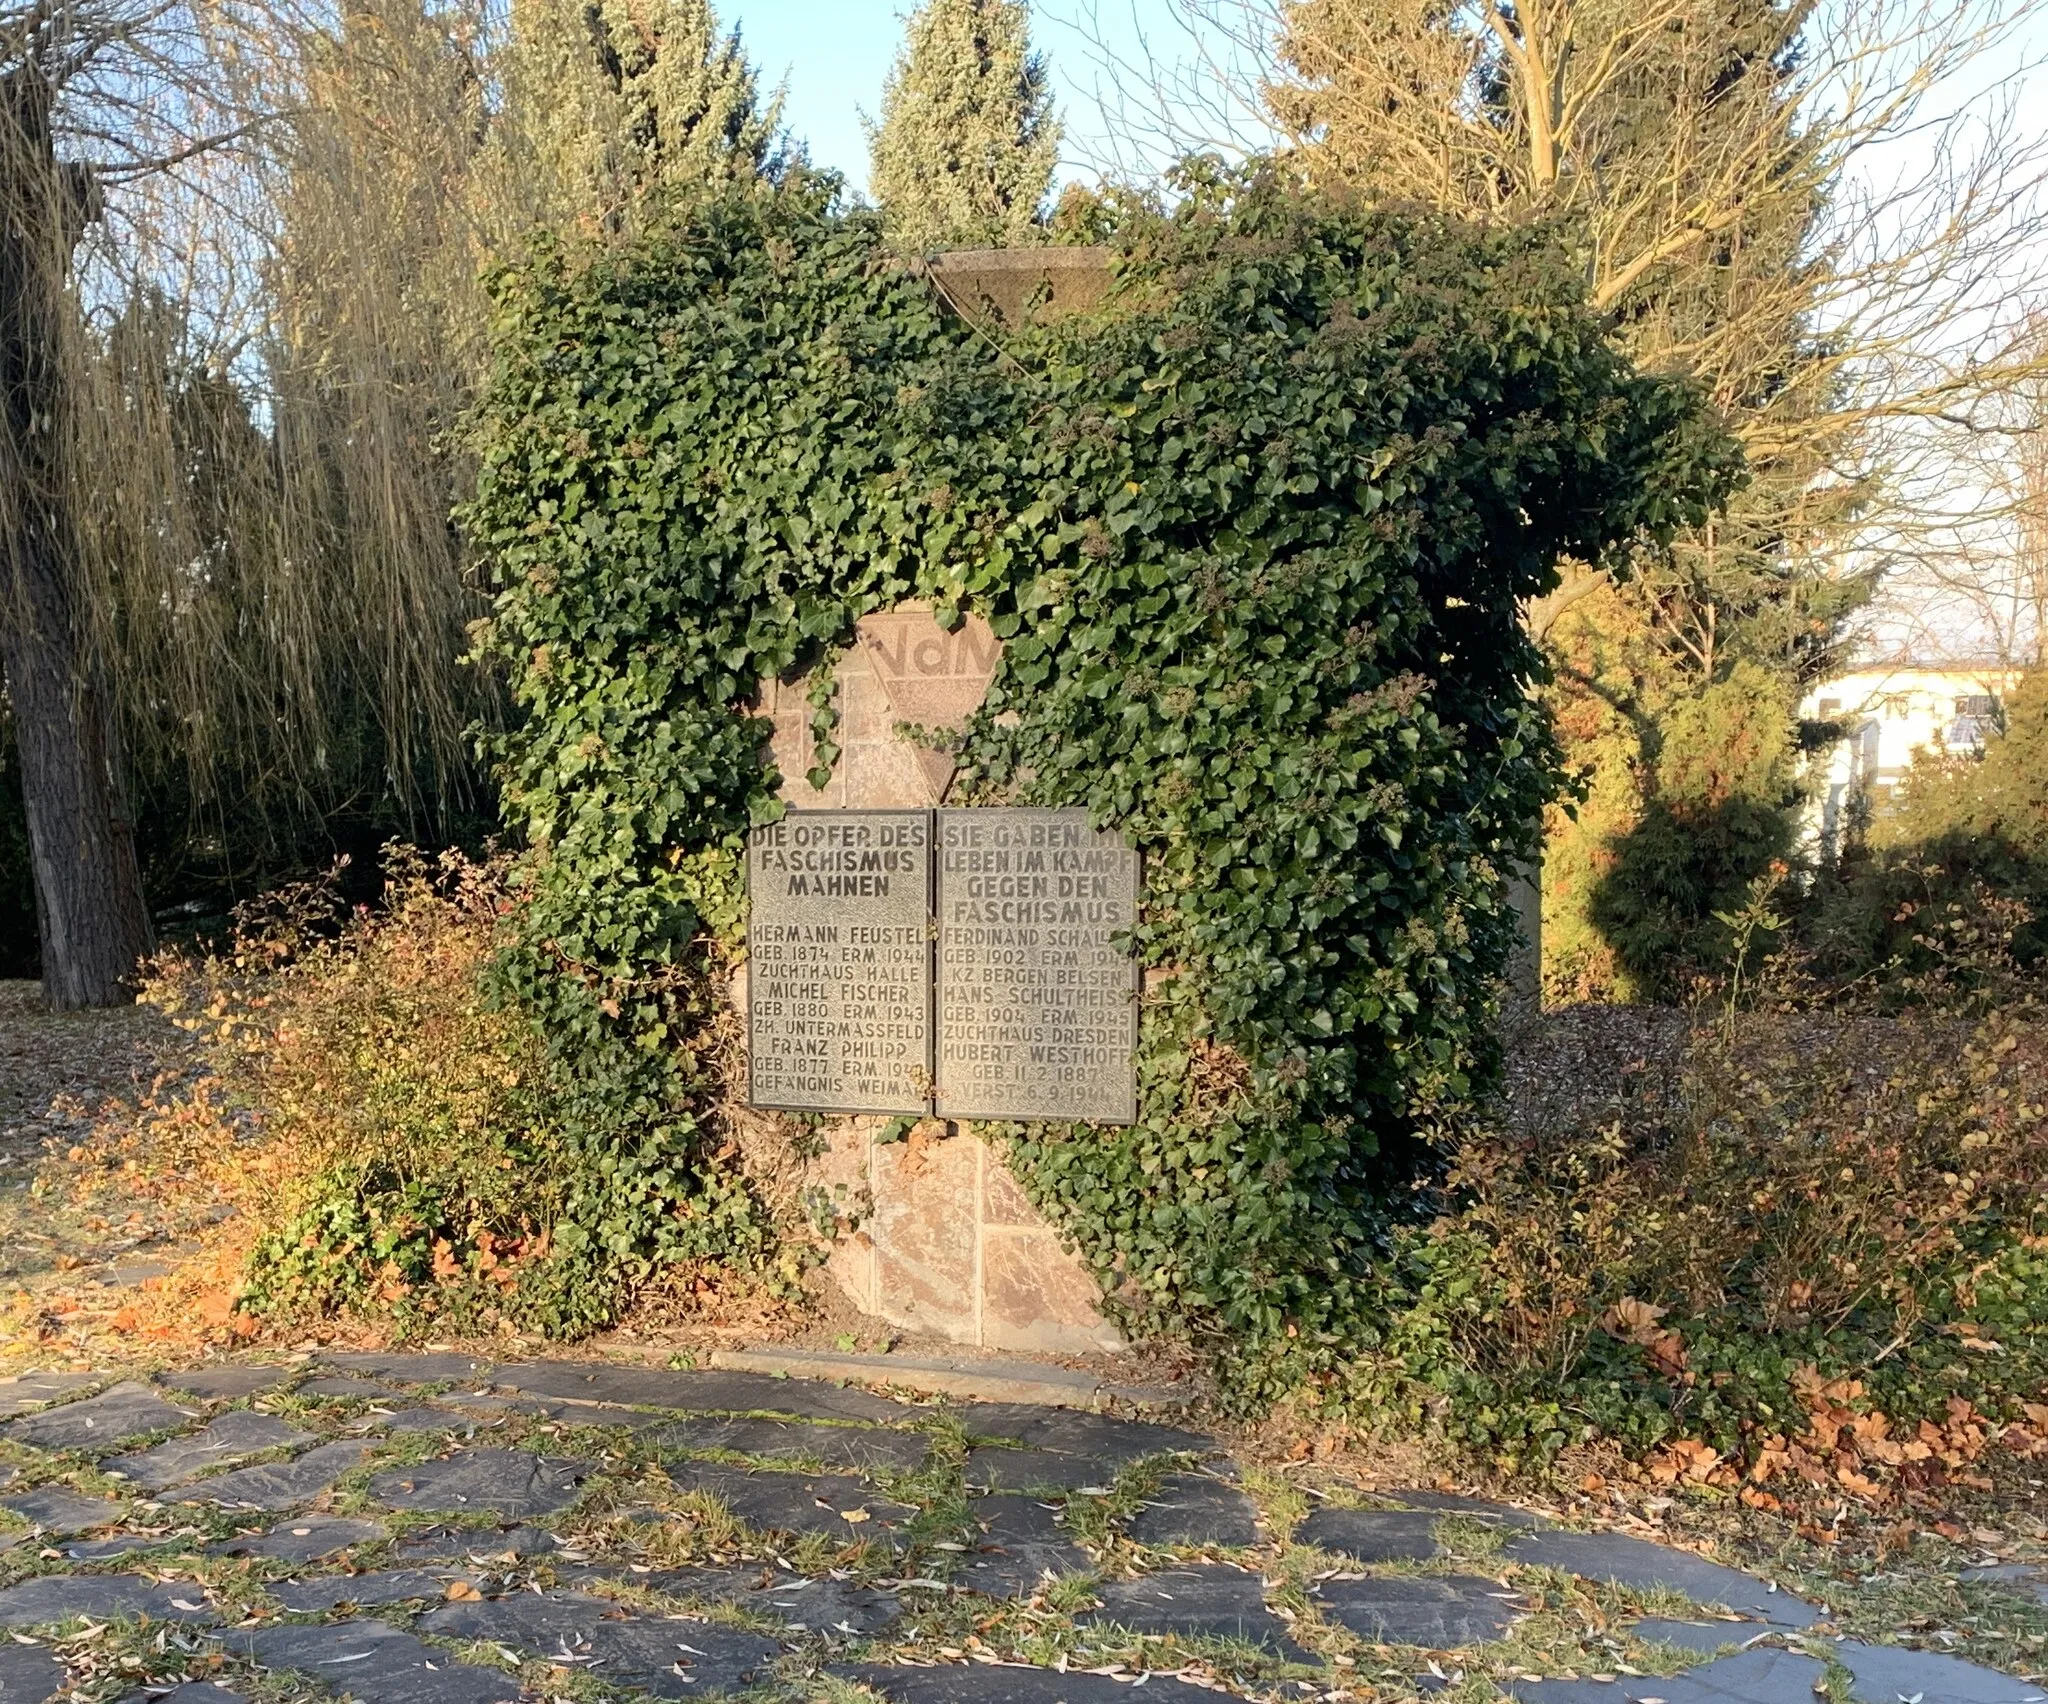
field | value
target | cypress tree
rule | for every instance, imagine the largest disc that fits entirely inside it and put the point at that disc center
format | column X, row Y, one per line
column 617, row 101
column 964, row 155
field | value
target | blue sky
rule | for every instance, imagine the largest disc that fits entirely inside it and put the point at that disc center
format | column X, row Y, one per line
column 836, row 53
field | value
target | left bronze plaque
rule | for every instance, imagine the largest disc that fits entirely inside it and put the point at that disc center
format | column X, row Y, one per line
column 839, row 962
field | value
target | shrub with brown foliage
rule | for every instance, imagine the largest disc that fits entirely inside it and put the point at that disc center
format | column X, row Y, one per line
column 391, row 1129
column 399, row 1120
column 1812, row 1243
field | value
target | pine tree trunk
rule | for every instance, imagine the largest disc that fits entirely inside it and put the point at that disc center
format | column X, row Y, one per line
column 89, row 903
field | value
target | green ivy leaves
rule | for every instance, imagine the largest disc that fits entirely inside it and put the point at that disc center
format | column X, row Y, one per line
column 1254, row 535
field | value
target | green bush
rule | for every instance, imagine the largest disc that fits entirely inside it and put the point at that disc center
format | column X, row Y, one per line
column 1719, row 814
column 1687, row 802
column 1254, row 535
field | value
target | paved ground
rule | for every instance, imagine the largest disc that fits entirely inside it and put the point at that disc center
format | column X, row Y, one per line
column 410, row 1529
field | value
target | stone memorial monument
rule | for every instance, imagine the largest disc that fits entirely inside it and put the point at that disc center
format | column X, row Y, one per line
column 1020, row 1008
column 911, row 958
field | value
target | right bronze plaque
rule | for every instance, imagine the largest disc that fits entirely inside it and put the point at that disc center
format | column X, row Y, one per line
column 1038, row 1009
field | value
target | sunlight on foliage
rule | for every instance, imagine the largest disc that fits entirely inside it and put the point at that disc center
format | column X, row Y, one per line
column 1254, row 535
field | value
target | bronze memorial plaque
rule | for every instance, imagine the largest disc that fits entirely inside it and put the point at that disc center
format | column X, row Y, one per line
column 1038, row 1011
column 839, row 978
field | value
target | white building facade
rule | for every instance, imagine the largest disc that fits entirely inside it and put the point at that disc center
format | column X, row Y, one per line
column 1889, row 713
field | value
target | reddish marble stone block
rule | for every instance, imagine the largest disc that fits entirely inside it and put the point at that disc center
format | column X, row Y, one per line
column 950, row 1246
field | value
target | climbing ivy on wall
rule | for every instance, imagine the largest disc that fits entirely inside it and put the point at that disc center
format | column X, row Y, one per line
column 1253, row 534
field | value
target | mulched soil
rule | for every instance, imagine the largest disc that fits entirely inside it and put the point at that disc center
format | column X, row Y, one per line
column 1580, row 1067
column 58, row 1068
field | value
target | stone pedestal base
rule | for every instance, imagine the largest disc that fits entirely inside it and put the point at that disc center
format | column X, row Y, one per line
column 952, row 1248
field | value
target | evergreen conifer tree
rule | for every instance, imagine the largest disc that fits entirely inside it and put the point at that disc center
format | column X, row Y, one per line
column 964, row 155
column 617, row 101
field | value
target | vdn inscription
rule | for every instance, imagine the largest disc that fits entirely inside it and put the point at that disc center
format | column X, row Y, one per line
column 1038, row 1015
column 839, row 975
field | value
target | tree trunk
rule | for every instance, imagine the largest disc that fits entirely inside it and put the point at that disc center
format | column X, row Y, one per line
column 89, row 904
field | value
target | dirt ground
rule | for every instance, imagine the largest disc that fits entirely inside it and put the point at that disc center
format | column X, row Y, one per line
column 56, row 1068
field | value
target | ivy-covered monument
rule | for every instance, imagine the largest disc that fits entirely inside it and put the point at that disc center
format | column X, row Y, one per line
column 1220, row 536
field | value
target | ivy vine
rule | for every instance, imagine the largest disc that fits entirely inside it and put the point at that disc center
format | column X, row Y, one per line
column 823, row 696
column 1254, row 536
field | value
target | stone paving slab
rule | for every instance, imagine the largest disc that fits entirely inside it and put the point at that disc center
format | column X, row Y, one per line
column 1018, row 1545
column 47, row 1599
column 314, row 1539
column 224, row 1384
column 29, row 1675
column 1005, row 1683
column 239, row 1432
column 1883, row 1674
column 1209, row 1603
column 1472, row 1508
column 1439, row 1612
column 402, row 1420
column 480, row 1494
column 459, row 1544
column 126, row 1544
column 1373, row 1535
column 668, row 1656
column 1754, row 1677
column 346, row 1387
column 2022, row 1577
column 377, row 1589
column 1077, row 1432
column 825, row 1503
column 499, row 1482
column 824, row 1607
column 61, row 1513
column 129, row 1410
column 982, row 1378
column 861, row 1447
column 376, row 1664
column 277, row 1486
column 996, row 1468
column 25, row 1391
column 830, row 1608
column 1637, row 1562
column 567, row 1411
column 1192, row 1509
column 405, row 1368
column 697, row 1393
